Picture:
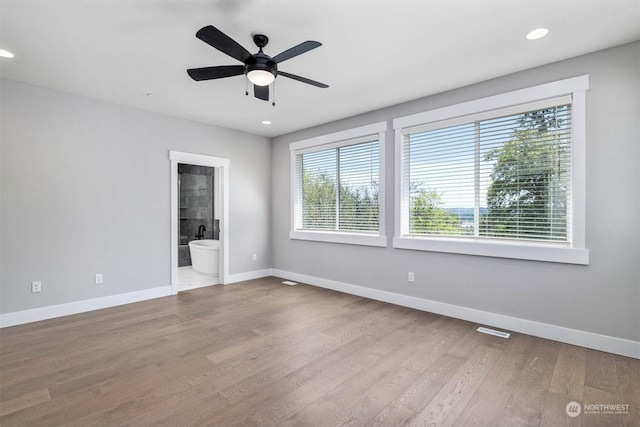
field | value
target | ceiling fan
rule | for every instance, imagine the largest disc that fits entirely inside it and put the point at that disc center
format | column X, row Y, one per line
column 260, row 68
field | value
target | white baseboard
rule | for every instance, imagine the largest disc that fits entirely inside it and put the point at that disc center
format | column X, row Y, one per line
column 50, row 312
column 248, row 275
column 53, row 311
column 606, row 343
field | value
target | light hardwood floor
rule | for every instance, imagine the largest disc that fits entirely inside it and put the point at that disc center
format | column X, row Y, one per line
column 268, row 354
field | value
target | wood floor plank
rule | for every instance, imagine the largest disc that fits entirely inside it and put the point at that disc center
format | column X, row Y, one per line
column 395, row 379
column 447, row 405
column 364, row 408
column 629, row 382
column 310, row 309
column 59, row 411
column 569, row 372
column 442, row 334
column 413, row 399
column 138, row 395
column 567, row 385
column 555, row 412
column 320, row 377
column 260, row 353
column 298, row 359
column 274, row 409
column 24, row 401
column 526, row 403
column 231, row 371
column 472, row 339
column 51, row 377
column 288, row 334
column 599, row 417
column 396, row 415
column 492, row 396
column 601, row 371
column 197, row 406
column 301, row 382
column 384, row 353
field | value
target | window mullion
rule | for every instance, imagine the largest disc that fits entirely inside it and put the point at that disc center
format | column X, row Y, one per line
column 300, row 194
column 476, row 180
column 338, row 195
column 406, row 175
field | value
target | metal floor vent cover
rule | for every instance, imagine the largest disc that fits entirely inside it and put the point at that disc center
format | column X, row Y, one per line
column 290, row 283
column 493, row 332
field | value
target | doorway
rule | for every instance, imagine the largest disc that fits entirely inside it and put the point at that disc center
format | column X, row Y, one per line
column 221, row 189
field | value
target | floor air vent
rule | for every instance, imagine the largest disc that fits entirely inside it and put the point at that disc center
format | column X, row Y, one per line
column 494, row 332
column 290, row 283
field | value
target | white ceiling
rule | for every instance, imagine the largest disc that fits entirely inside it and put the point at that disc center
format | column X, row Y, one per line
column 374, row 53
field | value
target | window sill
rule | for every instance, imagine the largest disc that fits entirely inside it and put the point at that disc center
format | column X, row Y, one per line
column 532, row 252
column 345, row 238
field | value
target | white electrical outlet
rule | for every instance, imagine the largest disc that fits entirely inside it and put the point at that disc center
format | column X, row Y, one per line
column 255, row 257
column 410, row 276
column 98, row 278
column 36, row 286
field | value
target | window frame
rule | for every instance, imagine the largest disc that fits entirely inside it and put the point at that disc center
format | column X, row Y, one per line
column 336, row 140
column 573, row 253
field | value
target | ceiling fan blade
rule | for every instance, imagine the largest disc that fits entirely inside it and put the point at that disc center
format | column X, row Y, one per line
column 296, row 50
column 261, row 92
column 302, row 79
column 208, row 73
column 225, row 44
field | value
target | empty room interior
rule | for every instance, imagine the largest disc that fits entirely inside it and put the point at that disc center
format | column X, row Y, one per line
column 320, row 213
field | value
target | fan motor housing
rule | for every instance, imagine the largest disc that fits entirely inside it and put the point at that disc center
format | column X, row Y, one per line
column 260, row 61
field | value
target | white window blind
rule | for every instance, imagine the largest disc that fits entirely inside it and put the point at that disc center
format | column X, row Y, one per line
column 499, row 175
column 337, row 188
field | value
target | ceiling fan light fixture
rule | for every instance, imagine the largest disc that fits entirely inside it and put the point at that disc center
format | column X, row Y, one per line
column 261, row 77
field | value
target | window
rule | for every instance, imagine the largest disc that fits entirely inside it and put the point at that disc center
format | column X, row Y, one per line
column 501, row 176
column 336, row 191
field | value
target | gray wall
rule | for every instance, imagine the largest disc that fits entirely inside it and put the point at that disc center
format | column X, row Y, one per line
column 602, row 298
column 85, row 189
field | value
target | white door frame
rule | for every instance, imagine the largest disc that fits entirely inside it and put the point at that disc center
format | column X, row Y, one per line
column 200, row 160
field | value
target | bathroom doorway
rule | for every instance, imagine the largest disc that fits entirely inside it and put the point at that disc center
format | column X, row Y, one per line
column 198, row 226
column 199, row 211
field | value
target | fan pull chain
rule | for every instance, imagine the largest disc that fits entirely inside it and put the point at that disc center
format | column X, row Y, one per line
column 273, row 98
column 246, row 87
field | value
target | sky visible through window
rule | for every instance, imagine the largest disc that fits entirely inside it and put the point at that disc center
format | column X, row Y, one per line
column 359, row 165
column 443, row 159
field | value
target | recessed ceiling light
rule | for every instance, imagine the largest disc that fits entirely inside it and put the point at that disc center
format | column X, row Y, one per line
column 538, row 33
column 5, row 54
column 266, row 122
